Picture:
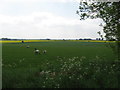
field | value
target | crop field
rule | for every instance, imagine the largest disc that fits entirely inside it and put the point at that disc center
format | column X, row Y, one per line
column 67, row 64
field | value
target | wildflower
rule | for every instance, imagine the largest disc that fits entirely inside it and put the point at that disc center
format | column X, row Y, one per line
column 104, row 69
column 68, row 69
column 58, row 85
column 79, row 65
column 80, row 76
column 46, row 78
column 85, row 73
column 47, row 72
column 41, row 73
column 20, row 61
column 80, row 68
column 53, row 73
column 77, row 57
column 43, row 86
column 113, row 65
column 64, row 62
column 90, row 63
column 61, row 68
column 97, row 57
column 60, row 78
column 83, row 57
column 47, row 63
column 70, row 77
column 69, row 59
column 57, row 56
column 106, row 66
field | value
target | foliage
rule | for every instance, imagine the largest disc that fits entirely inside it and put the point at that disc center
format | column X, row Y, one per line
column 70, row 73
column 109, row 12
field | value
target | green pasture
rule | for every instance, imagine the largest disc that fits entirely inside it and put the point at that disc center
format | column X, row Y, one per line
column 60, row 66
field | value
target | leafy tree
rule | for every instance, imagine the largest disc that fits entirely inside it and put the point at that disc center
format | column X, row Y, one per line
column 109, row 12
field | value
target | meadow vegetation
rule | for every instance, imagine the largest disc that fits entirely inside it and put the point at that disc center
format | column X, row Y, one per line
column 66, row 64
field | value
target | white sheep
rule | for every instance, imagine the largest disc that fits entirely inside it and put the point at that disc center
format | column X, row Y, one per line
column 37, row 51
column 28, row 46
column 44, row 51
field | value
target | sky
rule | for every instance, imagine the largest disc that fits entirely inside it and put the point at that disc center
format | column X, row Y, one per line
column 41, row 19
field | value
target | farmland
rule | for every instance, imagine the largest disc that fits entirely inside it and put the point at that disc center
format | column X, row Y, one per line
column 67, row 64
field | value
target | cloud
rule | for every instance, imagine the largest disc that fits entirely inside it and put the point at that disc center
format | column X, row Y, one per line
column 31, row 1
column 47, row 25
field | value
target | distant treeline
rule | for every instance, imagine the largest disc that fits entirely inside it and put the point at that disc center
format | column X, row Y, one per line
column 58, row 39
column 9, row 39
column 22, row 39
column 90, row 39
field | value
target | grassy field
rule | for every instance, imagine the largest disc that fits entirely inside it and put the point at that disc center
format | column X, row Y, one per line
column 66, row 64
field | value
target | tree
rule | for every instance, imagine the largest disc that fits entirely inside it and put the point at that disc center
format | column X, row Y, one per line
column 109, row 12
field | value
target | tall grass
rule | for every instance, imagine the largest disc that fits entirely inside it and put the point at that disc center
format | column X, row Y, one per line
column 65, row 73
column 65, row 65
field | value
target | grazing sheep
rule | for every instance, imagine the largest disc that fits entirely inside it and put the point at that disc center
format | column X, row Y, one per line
column 37, row 51
column 44, row 51
column 28, row 46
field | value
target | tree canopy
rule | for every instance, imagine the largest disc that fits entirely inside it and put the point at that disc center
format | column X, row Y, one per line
column 109, row 12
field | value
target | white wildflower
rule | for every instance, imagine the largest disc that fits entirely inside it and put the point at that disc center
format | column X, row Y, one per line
column 113, row 65
column 58, row 85
column 70, row 77
column 20, row 61
column 60, row 78
column 43, row 86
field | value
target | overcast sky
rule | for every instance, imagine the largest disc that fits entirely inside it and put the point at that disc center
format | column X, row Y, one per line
column 41, row 19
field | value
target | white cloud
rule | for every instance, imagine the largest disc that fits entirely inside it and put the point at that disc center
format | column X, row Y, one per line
column 47, row 25
column 23, row 19
column 31, row 1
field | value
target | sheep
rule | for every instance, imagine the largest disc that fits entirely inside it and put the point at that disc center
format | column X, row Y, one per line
column 28, row 46
column 37, row 51
column 44, row 51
